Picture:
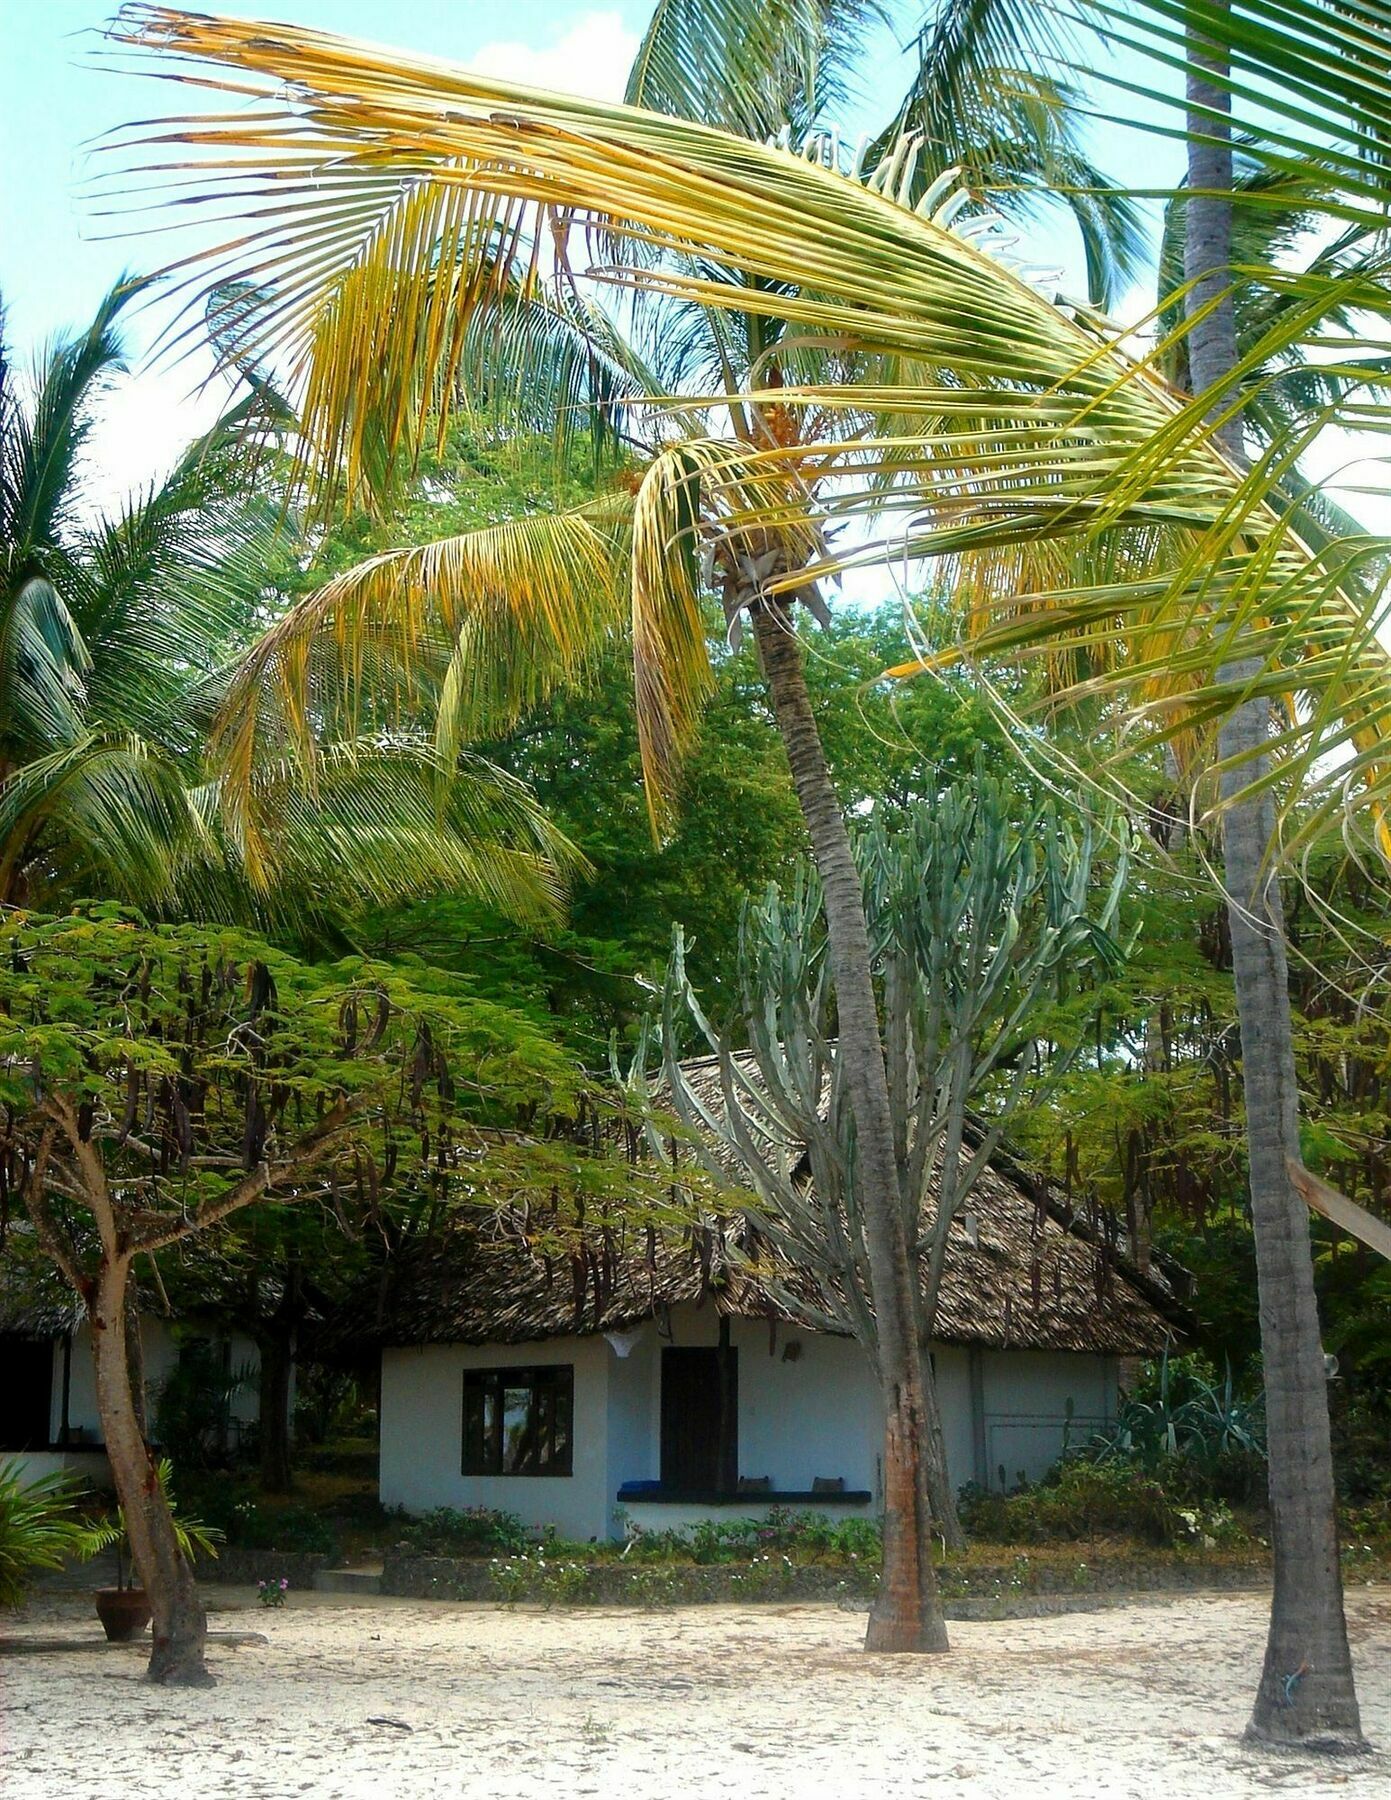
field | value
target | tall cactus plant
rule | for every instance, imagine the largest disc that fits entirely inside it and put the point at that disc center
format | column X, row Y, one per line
column 980, row 911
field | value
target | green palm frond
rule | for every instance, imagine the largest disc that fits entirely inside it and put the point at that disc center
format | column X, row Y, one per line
column 385, row 819
column 487, row 622
column 114, row 644
column 750, row 69
column 988, row 96
column 106, row 813
column 1080, row 499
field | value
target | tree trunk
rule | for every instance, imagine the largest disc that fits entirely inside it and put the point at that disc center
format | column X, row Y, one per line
column 907, row 1614
column 276, row 1348
column 180, row 1623
column 1306, row 1692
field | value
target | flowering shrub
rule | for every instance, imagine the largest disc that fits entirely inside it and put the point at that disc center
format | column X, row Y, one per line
column 272, row 1593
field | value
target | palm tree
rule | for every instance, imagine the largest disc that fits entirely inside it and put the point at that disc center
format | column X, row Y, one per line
column 1012, row 435
column 1308, row 1630
column 116, row 634
column 699, row 59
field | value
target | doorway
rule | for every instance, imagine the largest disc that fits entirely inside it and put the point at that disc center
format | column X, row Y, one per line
column 700, row 1421
column 26, row 1391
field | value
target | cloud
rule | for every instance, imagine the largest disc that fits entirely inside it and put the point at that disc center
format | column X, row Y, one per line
column 592, row 57
column 146, row 419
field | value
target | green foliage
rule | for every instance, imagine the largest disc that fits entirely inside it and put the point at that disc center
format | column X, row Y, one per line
column 194, row 1536
column 248, row 1523
column 1081, row 1500
column 472, row 1531
column 1177, row 1408
column 193, row 1405
column 230, row 1054
column 40, row 1529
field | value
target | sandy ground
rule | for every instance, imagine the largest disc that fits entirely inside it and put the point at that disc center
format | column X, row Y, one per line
column 767, row 1703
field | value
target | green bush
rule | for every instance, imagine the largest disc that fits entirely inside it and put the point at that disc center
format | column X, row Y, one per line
column 803, row 1536
column 248, row 1523
column 474, row 1531
column 1080, row 1500
column 297, row 1528
column 40, row 1528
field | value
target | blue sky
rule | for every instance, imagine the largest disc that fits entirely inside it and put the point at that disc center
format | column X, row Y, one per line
column 60, row 91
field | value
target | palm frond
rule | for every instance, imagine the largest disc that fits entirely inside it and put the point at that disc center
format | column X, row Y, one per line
column 485, row 623
column 751, row 70
column 1084, row 499
column 385, row 819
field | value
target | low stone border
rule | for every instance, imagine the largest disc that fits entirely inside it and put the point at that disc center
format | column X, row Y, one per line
column 244, row 1568
column 968, row 1591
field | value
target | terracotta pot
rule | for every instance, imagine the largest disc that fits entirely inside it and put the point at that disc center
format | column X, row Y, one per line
column 124, row 1612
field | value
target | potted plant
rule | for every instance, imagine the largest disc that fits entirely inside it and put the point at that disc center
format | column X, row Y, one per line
column 125, row 1610
column 40, row 1528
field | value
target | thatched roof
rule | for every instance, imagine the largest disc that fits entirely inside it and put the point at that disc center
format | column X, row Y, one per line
column 1024, row 1270
column 35, row 1300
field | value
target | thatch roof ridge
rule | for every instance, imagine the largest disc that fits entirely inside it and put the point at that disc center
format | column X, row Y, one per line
column 1028, row 1272
column 35, row 1300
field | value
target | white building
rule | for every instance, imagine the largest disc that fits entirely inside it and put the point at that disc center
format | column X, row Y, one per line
column 636, row 1382
column 48, row 1404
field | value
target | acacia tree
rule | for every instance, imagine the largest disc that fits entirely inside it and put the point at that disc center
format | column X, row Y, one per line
column 160, row 1081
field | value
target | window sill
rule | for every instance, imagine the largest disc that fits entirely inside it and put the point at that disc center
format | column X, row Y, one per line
column 766, row 1497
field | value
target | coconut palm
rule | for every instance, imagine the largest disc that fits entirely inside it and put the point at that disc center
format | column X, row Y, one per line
column 888, row 363
column 115, row 635
column 499, row 596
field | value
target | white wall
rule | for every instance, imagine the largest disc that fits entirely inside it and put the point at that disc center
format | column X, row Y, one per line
column 422, row 1435
column 816, row 1414
column 90, row 1466
column 161, row 1352
column 1038, row 1401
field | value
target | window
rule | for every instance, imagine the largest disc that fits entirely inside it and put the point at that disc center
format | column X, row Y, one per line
column 518, row 1421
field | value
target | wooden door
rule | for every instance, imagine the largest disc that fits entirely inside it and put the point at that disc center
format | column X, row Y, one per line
column 700, row 1433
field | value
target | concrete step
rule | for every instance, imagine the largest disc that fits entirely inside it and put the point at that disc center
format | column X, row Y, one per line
column 348, row 1581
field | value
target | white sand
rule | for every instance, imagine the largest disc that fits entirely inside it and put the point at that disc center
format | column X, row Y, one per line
column 766, row 1703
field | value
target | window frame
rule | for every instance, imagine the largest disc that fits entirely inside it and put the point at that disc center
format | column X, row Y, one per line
column 550, row 1401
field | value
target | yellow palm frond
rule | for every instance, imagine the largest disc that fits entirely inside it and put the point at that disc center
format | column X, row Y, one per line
column 1013, row 436
column 482, row 624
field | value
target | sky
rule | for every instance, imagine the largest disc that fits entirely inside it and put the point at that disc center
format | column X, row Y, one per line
column 60, row 91
column 59, row 94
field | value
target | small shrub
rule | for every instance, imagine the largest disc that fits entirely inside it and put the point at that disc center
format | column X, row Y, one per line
column 40, row 1529
column 1078, row 1500
column 289, row 1528
column 510, row 1578
column 472, row 1531
column 654, row 1588
column 272, row 1593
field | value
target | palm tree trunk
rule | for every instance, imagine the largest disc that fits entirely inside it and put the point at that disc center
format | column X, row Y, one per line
column 180, row 1622
column 1306, row 1693
column 907, row 1614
